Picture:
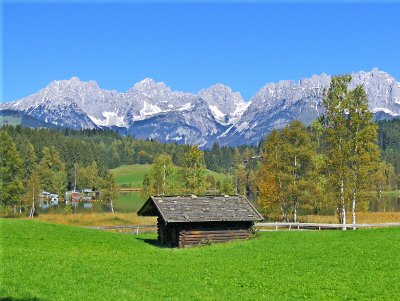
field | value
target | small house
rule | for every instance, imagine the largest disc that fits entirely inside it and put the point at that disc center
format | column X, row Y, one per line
column 184, row 221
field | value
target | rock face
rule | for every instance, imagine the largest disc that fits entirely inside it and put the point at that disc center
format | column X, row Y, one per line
column 217, row 114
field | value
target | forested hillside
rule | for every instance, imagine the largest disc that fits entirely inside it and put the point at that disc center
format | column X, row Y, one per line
column 389, row 142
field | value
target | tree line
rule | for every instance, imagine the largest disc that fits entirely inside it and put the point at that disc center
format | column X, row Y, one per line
column 25, row 173
column 335, row 164
column 332, row 164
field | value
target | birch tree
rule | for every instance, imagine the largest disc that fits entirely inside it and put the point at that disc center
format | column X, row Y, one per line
column 32, row 195
column 297, row 162
column 364, row 158
column 109, row 190
column 337, row 139
column 161, row 172
column 193, row 178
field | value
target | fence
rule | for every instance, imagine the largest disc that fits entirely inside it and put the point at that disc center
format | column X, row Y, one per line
column 136, row 229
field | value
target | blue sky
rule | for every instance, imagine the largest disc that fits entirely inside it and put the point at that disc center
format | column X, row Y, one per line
column 190, row 46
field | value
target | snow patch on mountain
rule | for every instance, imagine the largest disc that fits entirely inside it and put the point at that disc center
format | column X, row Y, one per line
column 151, row 109
column 111, row 119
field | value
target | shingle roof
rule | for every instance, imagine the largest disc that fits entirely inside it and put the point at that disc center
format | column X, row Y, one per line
column 183, row 209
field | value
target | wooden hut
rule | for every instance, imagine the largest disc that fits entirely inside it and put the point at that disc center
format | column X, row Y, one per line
column 191, row 220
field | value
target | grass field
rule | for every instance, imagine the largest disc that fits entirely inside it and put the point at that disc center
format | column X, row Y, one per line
column 391, row 193
column 129, row 202
column 41, row 261
column 132, row 175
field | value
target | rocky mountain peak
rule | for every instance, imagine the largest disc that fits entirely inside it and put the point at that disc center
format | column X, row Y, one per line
column 152, row 109
column 226, row 105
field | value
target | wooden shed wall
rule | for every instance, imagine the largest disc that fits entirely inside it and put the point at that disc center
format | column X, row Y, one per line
column 193, row 234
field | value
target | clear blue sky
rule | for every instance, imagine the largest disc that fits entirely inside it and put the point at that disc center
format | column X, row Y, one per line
column 192, row 46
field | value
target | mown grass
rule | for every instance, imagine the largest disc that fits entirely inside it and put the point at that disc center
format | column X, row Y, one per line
column 132, row 175
column 55, row 262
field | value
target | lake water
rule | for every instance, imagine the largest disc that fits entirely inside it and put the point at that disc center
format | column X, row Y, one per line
column 385, row 204
column 127, row 202
column 130, row 202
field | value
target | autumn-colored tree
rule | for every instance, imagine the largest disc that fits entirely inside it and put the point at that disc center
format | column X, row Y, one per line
column 271, row 180
column 297, row 165
column 337, row 139
column 364, row 156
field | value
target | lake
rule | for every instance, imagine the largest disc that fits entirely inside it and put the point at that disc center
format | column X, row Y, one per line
column 385, row 204
column 127, row 202
column 130, row 202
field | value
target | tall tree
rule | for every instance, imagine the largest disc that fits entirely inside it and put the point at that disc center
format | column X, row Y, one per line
column 298, row 153
column 32, row 194
column 337, row 138
column 364, row 157
column 11, row 185
column 89, row 177
column 241, row 179
column 147, row 187
column 193, row 171
column 271, row 181
column 161, row 172
column 109, row 190
column 51, row 170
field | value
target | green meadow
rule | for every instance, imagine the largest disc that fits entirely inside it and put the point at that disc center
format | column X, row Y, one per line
column 129, row 202
column 132, row 175
column 43, row 261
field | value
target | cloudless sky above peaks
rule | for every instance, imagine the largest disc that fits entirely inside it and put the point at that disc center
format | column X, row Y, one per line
column 191, row 46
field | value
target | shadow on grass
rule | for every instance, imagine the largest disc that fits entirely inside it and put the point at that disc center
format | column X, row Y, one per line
column 18, row 299
column 151, row 241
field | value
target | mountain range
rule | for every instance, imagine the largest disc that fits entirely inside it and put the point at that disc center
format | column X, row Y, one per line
column 152, row 110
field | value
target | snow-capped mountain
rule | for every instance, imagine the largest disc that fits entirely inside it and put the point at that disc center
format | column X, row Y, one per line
column 151, row 109
column 277, row 104
column 227, row 106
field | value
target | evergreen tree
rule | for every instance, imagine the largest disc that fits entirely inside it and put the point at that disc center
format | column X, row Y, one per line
column 11, row 185
column 51, row 171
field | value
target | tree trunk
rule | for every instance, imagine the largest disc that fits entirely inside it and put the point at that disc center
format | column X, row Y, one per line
column 32, row 212
column 353, row 210
column 112, row 206
column 295, row 213
column 342, row 204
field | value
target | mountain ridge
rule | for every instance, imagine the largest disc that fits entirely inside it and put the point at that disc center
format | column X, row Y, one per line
column 151, row 109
